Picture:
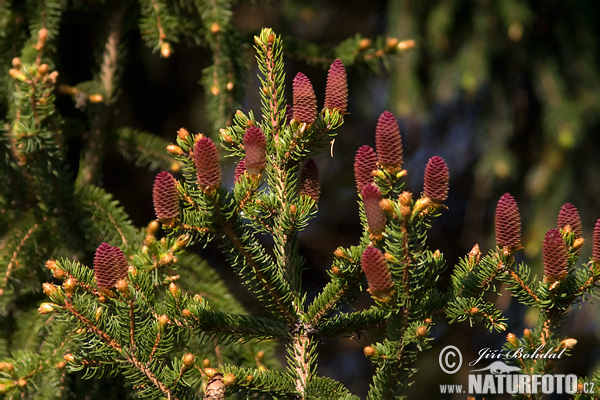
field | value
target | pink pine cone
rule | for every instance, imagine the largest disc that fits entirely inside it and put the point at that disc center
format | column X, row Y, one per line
column 554, row 251
column 376, row 270
column 436, row 179
column 388, row 141
column 596, row 243
column 255, row 144
column 508, row 223
column 376, row 220
column 365, row 162
column 206, row 160
column 304, row 101
column 240, row 169
column 165, row 196
column 309, row 180
column 110, row 265
column 336, row 90
column 568, row 215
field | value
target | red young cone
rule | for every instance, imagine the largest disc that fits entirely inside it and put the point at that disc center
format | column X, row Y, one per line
column 508, row 223
column 365, row 162
column 309, row 180
column 110, row 265
column 206, row 160
column 568, row 215
column 240, row 169
column 376, row 270
column 303, row 99
column 554, row 251
column 255, row 144
column 165, row 196
column 371, row 197
column 436, row 179
column 336, row 90
column 596, row 243
column 388, row 141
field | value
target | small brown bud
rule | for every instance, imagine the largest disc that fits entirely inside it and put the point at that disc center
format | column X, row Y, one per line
column 229, row 86
column 163, row 320
column 175, row 150
column 427, row 321
column 16, row 62
column 60, row 364
column 48, row 288
column 205, row 363
column 387, row 206
column 406, row 45
column 69, row 286
column 51, row 265
column 21, row 382
column 568, row 343
column 183, row 133
column 152, row 227
column 271, row 38
column 405, row 198
column 95, row 98
column 186, row 313
column 210, row 372
column 389, row 257
column 369, row 351
column 364, row 44
column 421, row 331
column 122, row 286
column 46, row 308
column 98, row 313
column 43, row 69
column 420, row 205
column 293, row 209
column 198, row 298
column 339, row 253
column 580, row 387
column 577, row 243
column 188, row 360
column 68, row 357
column 132, row 271
column 475, row 254
column 249, row 378
column 229, row 380
column 474, row 310
column 335, row 270
column 527, row 333
column 166, row 259
column 173, row 289
column 215, row 27
column 214, row 90
column 42, row 34
column 511, row 338
column 391, row 43
column 4, row 366
column 165, row 49
column 16, row 74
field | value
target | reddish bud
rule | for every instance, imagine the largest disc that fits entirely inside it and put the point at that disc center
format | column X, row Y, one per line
column 508, row 223
column 376, row 270
column 388, row 141
column 436, row 179
column 206, row 160
column 554, row 251
column 309, row 180
column 110, row 265
column 371, row 197
column 336, row 90
column 365, row 162
column 596, row 243
column 255, row 144
column 165, row 196
column 304, row 100
column 240, row 169
column 568, row 215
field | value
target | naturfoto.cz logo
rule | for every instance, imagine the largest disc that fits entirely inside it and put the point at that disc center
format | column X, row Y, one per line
column 500, row 378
